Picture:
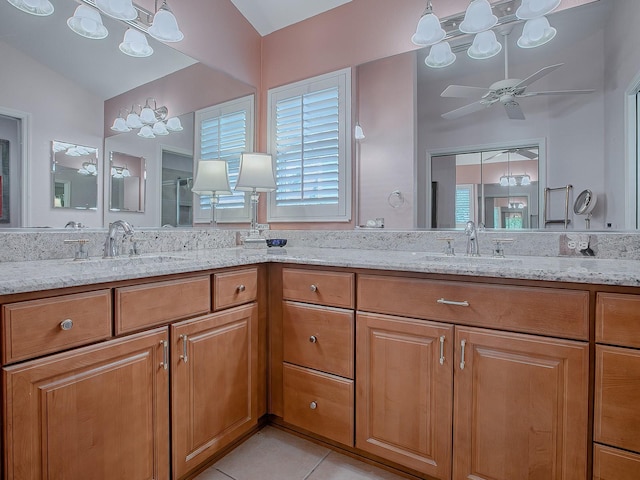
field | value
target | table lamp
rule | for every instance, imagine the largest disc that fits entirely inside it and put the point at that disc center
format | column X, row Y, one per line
column 212, row 178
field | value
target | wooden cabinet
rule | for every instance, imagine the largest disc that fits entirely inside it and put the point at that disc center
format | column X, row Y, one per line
column 99, row 412
column 404, row 390
column 520, row 407
column 214, row 361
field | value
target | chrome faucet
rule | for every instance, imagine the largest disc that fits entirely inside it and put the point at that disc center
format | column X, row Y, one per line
column 110, row 245
column 472, row 239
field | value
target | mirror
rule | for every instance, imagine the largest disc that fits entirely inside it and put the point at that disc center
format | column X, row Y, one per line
column 4, row 182
column 74, row 175
column 127, row 183
column 400, row 109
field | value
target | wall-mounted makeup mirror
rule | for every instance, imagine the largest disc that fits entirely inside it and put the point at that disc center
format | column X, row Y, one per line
column 74, row 176
column 127, row 185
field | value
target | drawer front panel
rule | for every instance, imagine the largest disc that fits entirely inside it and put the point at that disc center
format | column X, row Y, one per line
column 618, row 319
column 617, row 396
column 320, row 403
column 546, row 311
column 613, row 464
column 49, row 325
column 234, row 288
column 318, row 337
column 334, row 289
column 142, row 306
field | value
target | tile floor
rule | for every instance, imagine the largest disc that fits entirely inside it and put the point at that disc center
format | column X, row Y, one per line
column 272, row 454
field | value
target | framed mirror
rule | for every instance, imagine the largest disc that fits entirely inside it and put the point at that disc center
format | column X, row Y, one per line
column 127, row 183
column 74, row 176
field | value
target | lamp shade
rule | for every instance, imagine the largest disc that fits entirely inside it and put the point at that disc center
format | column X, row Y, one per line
column 440, row 56
column 146, row 132
column 133, row 120
column 531, row 9
column 120, row 9
column 135, row 44
column 536, row 32
column 120, row 125
column 174, row 124
column 256, row 173
column 41, row 8
column 428, row 31
column 165, row 26
column 212, row 178
column 87, row 22
column 159, row 128
column 485, row 45
column 478, row 17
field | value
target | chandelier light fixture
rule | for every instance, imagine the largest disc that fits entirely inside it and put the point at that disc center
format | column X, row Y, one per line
column 89, row 168
column 479, row 19
column 87, row 21
column 515, row 180
column 151, row 121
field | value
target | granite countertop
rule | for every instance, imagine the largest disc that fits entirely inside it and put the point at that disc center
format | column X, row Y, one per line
column 18, row 277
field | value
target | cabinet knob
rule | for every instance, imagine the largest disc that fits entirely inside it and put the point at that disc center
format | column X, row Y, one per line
column 313, row 288
column 313, row 339
column 241, row 288
column 313, row 405
column 66, row 324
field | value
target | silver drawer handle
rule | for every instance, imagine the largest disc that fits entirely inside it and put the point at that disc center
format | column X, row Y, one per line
column 442, row 338
column 313, row 288
column 463, row 343
column 313, row 339
column 313, row 405
column 184, row 349
column 442, row 301
column 66, row 324
column 241, row 288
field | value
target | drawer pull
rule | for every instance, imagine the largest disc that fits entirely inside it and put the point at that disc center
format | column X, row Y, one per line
column 442, row 350
column 463, row 343
column 313, row 288
column 184, row 348
column 241, row 288
column 313, row 339
column 66, row 324
column 442, row 301
column 313, row 405
column 165, row 354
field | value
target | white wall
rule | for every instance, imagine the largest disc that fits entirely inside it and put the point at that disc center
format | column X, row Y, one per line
column 60, row 110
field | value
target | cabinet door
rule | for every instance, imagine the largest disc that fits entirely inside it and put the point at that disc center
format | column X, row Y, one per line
column 520, row 407
column 404, row 383
column 99, row 412
column 214, row 380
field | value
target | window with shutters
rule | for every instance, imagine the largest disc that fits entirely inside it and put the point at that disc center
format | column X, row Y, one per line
column 309, row 138
column 224, row 131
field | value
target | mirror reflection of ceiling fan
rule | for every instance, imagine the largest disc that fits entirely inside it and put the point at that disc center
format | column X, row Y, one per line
column 505, row 92
column 525, row 152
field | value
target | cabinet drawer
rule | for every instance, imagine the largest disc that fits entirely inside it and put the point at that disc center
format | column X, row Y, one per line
column 318, row 337
column 334, row 289
column 546, row 311
column 36, row 327
column 234, row 288
column 613, row 464
column 618, row 319
column 320, row 403
column 142, row 306
column 617, row 396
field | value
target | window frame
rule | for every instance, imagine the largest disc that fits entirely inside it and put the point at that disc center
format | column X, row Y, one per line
column 317, row 213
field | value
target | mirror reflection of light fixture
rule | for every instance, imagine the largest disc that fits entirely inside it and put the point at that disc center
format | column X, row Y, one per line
column 531, row 9
column 485, row 45
column 174, row 124
column 41, row 8
column 440, row 56
column 428, row 31
column 87, row 22
column 536, row 32
column 255, row 176
column 515, row 180
column 212, row 180
column 152, row 121
column 165, row 26
column 478, row 17
column 135, row 44
column 120, row 172
column 89, row 168
column 358, row 133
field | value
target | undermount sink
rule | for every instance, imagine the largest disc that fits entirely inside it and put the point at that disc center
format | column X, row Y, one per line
column 468, row 260
column 123, row 260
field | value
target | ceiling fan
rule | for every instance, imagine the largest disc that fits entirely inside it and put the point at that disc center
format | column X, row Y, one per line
column 506, row 92
column 525, row 152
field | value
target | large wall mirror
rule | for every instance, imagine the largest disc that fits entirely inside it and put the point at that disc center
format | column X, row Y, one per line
column 127, row 183
column 74, row 176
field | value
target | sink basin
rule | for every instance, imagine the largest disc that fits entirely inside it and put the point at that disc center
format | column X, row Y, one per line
column 124, row 260
column 464, row 260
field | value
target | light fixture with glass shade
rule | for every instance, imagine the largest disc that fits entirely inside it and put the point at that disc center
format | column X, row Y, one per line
column 485, row 45
column 120, row 172
column 133, row 119
column 135, row 44
column 358, row 133
column 120, row 9
column 440, row 56
column 212, row 180
column 89, row 168
column 255, row 176
column 428, row 32
column 87, row 22
column 120, row 124
column 174, row 124
column 146, row 132
column 536, row 32
column 41, row 8
column 530, row 9
column 478, row 17
column 165, row 26
column 160, row 129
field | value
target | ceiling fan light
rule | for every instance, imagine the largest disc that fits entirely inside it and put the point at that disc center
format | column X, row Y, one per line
column 120, row 9
column 485, row 45
column 440, row 56
column 41, row 8
column 146, row 132
column 87, row 22
column 159, row 128
column 174, row 125
column 478, row 17
column 135, row 44
column 428, row 32
column 536, row 32
column 531, row 9
column 165, row 26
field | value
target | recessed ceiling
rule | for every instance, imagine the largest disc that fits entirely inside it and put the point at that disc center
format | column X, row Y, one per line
column 267, row 16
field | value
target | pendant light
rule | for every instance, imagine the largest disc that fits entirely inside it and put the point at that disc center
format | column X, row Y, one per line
column 428, row 32
column 135, row 44
column 41, row 8
column 165, row 26
column 87, row 22
column 531, row 9
column 120, row 9
column 536, row 32
column 440, row 56
column 478, row 17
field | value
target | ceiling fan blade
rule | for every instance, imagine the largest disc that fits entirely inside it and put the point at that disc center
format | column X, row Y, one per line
column 495, row 155
column 467, row 109
column 538, row 75
column 514, row 112
column 461, row 91
column 556, row 92
column 526, row 153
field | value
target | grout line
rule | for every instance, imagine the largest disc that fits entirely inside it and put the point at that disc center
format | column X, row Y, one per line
column 317, row 465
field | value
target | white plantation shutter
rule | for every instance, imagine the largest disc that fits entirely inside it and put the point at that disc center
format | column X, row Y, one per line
column 224, row 132
column 308, row 132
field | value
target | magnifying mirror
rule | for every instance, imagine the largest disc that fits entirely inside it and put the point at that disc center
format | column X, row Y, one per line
column 584, row 205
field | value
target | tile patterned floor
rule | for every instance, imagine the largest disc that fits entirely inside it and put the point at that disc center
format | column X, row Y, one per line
column 272, row 454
